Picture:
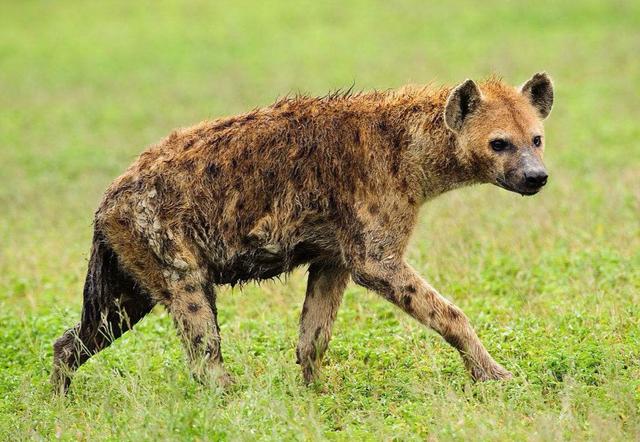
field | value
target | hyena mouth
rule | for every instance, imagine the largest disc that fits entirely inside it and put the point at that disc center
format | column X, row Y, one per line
column 524, row 192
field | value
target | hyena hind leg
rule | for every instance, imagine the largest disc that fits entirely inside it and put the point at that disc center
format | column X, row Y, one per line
column 96, row 331
column 112, row 304
column 193, row 307
column 325, row 288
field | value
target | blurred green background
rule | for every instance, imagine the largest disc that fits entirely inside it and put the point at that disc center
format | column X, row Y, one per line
column 551, row 282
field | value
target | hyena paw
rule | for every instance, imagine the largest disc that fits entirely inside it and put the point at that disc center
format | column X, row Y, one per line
column 309, row 361
column 224, row 380
column 493, row 372
column 214, row 376
column 60, row 381
column 310, row 373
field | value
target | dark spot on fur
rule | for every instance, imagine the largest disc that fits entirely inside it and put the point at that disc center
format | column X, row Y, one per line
column 332, row 205
column 166, row 295
column 374, row 208
column 406, row 300
column 395, row 166
column 189, row 288
column 453, row 313
column 193, row 307
column 190, row 166
column 356, row 136
column 197, row 340
column 410, row 288
column 412, row 201
column 317, row 333
column 213, row 170
column 268, row 175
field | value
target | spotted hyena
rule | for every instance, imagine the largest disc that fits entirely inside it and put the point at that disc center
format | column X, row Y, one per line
column 333, row 182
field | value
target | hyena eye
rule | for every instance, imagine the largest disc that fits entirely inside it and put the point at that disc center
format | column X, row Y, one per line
column 537, row 140
column 498, row 145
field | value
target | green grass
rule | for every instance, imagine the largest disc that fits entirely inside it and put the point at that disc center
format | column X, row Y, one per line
column 552, row 283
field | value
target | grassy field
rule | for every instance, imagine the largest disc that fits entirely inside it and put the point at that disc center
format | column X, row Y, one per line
column 551, row 282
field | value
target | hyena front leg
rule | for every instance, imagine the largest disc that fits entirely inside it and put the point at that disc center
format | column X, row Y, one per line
column 325, row 288
column 191, row 302
column 401, row 285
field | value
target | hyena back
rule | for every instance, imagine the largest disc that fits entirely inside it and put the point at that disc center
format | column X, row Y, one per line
column 333, row 182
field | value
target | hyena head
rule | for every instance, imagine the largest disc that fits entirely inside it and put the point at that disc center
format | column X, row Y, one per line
column 499, row 131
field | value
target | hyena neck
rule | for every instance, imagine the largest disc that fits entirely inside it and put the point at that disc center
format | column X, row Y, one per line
column 435, row 153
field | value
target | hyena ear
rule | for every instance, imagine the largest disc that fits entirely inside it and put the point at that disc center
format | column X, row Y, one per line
column 539, row 91
column 461, row 103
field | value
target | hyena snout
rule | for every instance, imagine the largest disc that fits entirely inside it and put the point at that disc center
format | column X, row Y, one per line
column 535, row 178
column 527, row 178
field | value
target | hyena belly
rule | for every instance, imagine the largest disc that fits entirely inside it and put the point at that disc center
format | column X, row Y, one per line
column 258, row 261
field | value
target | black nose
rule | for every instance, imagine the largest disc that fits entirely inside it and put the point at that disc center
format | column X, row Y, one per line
column 537, row 178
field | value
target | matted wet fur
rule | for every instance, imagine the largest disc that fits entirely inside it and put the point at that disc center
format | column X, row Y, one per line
column 333, row 182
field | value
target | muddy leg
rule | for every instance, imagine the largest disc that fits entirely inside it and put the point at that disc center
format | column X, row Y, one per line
column 96, row 331
column 400, row 284
column 325, row 288
column 193, row 308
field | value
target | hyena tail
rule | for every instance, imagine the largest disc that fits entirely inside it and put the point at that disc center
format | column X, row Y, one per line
column 112, row 304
